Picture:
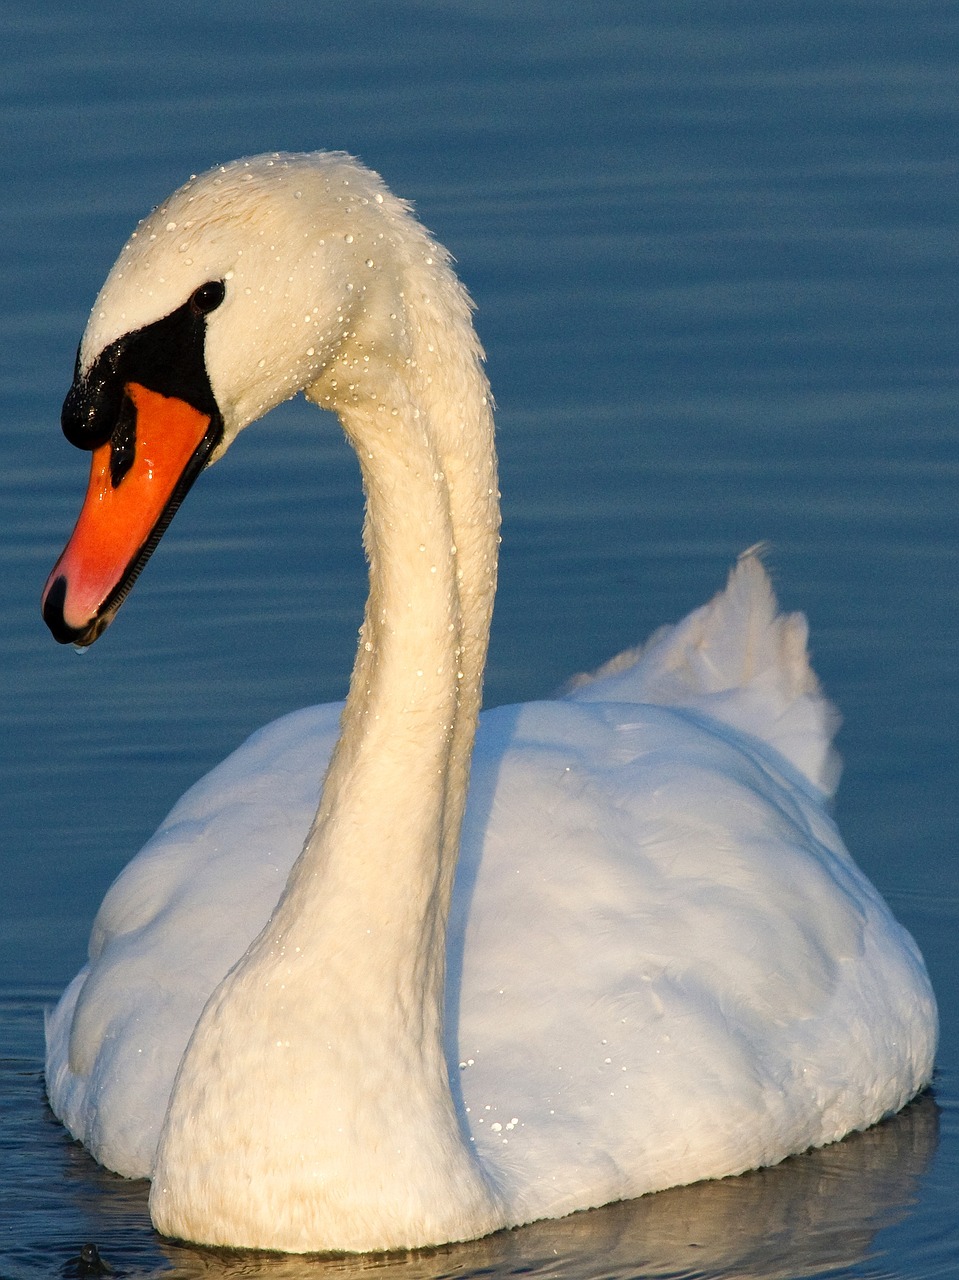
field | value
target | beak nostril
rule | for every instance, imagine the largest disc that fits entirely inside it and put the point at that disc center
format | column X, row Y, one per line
column 123, row 442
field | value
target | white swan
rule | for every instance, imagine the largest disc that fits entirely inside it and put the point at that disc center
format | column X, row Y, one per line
column 662, row 963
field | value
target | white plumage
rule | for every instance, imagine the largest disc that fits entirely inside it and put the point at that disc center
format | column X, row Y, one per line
column 662, row 964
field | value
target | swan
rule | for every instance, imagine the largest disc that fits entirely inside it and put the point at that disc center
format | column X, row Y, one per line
column 333, row 1006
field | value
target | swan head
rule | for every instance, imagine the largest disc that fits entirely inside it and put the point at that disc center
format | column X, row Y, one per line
column 252, row 282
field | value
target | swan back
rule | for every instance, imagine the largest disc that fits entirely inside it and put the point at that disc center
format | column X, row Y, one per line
column 739, row 661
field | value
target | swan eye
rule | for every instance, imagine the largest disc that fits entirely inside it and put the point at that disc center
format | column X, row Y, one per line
column 208, row 297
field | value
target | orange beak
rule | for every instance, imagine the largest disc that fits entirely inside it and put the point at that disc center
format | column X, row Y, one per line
column 137, row 481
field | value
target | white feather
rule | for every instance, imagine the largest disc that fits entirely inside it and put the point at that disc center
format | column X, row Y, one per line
column 661, row 963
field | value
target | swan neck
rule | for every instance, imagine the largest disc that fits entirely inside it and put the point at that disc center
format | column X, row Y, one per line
column 344, row 988
column 387, row 831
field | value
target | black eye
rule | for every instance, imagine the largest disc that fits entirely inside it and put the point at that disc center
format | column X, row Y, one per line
column 208, row 297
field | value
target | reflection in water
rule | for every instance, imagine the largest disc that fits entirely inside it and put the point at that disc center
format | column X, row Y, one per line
column 813, row 1212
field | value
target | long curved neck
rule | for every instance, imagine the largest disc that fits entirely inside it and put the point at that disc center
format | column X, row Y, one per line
column 387, row 831
column 348, row 976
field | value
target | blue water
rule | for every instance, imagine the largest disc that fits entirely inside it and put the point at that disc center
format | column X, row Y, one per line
column 715, row 251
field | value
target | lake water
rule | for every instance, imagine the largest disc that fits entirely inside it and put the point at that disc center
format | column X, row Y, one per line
column 715, row 251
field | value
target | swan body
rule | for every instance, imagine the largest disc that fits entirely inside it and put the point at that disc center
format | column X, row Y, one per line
column 354, row 996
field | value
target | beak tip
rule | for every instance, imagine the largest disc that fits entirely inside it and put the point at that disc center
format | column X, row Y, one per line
column 54, row 600
column 51, row 607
